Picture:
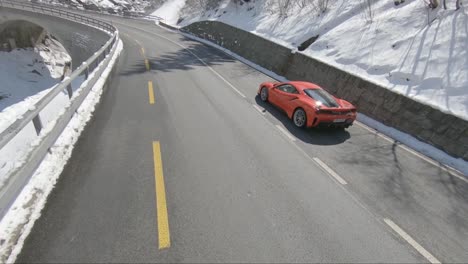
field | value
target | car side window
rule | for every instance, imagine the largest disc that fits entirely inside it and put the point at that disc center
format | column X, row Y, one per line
column 287, row 88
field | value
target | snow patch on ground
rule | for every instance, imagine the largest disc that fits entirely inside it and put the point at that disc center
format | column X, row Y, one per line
column 18, row 222
column 409, row 49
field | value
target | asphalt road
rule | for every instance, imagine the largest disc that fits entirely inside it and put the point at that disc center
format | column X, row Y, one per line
column 241, row 185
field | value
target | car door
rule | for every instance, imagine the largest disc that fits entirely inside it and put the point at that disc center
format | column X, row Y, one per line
column 273, row 95
column 286, row 94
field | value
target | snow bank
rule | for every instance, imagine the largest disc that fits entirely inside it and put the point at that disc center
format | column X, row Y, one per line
column 394, row 47
column 18, row 222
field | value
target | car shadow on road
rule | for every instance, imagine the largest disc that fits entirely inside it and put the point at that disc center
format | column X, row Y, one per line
column 315, row 136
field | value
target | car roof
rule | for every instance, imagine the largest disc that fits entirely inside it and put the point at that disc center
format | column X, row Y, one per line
column 304, row 85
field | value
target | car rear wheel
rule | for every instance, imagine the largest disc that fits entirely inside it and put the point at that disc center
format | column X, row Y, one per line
column 300, row 118
column 264, row 94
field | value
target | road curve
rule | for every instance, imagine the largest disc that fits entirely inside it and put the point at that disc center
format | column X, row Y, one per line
column 241, row 183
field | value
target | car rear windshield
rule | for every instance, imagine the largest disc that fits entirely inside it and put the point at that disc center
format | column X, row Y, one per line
column 322, row 96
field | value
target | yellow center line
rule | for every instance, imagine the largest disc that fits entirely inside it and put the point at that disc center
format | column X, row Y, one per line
column 161, row 206
column 147, row 64
column 150, row 92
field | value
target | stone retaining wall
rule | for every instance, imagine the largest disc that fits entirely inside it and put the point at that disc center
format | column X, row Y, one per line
column 445, row 131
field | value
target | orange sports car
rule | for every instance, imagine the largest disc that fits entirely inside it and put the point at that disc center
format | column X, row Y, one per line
column 308, row 105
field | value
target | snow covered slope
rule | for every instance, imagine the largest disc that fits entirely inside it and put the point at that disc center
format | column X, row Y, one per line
column 407, row 48
column 170, row 10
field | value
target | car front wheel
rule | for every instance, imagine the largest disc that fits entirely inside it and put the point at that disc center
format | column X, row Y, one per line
column 300, row 118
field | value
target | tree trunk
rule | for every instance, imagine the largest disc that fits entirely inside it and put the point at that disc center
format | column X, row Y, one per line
column 458, row 4
column 445, row 4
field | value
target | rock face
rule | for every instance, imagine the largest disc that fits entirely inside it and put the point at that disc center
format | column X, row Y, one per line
column 445, row 131
column 19, row 34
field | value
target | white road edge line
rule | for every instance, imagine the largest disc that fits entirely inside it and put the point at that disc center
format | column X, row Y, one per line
column 203, row 62
column 221, row 77
column 417, row 154
column 358, row 123
column 329, row 170
column 389, row 222
column 411, row 241
column 374, row 131
column 262, row 111
column 286, row 133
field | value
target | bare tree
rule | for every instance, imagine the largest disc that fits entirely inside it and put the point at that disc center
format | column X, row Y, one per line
column 433, row 4
column 368, row 13
column 320, row 5
column 303, row 3
column 204, row 4
column 283, row 7
column 444, row 3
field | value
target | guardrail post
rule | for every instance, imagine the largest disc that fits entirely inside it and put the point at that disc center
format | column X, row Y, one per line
column 69, row 90
column 87, row 73
column 37, row 124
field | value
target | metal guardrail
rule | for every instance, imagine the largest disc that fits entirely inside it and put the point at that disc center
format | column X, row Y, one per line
column 19, row 177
